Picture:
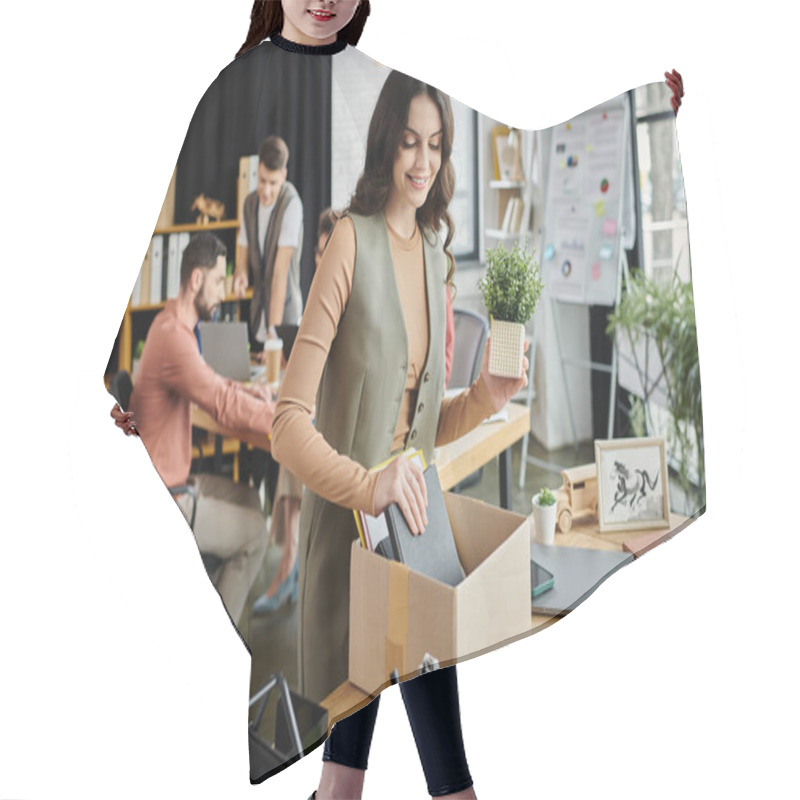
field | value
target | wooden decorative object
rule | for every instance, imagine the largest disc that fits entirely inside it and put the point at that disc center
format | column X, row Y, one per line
column 577, row 496
column 208, row 209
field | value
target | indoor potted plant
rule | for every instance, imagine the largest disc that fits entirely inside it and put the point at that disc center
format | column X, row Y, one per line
column 656, row 335
column 511, row 287
column 229, row 272
column 137, row 356
column 544, row 516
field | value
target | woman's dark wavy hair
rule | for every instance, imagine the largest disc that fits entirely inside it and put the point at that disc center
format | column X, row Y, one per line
column 386, row 131
column 266, row 19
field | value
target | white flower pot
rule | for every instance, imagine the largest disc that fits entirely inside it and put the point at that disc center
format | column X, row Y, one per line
column 544, row 521
column 506, row 349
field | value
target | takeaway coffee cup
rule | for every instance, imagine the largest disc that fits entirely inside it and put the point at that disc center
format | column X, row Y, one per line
column 273, row 349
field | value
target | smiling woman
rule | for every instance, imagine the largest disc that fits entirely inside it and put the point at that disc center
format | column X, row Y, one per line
column 316, row 21
column 306, row 22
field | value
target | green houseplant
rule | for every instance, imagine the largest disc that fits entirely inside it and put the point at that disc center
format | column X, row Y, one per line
column 511, row 287
column 137, row 355
column 654, row 325
column 544, row 508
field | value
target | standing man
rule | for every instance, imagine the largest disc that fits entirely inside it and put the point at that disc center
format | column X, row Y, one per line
column 172, row 375
column 270, row 243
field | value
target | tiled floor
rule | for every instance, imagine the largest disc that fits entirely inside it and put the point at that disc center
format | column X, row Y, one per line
column 273, row 638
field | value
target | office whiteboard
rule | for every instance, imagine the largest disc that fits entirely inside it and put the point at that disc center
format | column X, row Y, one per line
column 589, row 213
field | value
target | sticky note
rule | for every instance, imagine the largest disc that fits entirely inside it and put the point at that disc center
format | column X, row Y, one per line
column 599, row 208
column 597, row 271
column 606, row 251
column 569, row 126
column 590, row 148
column 609, row 227
column 562, row 164
column 549, row 252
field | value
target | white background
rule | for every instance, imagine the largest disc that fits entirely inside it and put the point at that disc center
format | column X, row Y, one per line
column 120, row 675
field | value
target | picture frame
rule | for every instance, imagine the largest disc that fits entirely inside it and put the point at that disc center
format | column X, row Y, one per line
column 632, row 484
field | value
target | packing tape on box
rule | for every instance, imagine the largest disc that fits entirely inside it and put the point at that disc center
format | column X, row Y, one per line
column 397, row 624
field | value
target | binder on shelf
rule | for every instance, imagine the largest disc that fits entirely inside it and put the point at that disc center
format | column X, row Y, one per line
column 433, row 552
column 173, row 267
column 136, row 294
column 253, row 174
column 156, row 269
column 144, row 277
column 183, row 240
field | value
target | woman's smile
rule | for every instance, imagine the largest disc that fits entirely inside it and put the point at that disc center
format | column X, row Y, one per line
column 320, row 15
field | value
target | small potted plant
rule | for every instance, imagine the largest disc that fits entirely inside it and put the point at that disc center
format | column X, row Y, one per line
column 229, row 270
column 544, row 516
column 511, row 288
column 137, row 355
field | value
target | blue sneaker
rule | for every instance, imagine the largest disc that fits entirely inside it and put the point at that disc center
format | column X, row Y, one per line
column 286, row 593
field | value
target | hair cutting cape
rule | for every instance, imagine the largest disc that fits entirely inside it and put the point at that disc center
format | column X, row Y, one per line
column 615, row 391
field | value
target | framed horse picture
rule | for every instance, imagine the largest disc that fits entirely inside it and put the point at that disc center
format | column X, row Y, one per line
column 632, row 484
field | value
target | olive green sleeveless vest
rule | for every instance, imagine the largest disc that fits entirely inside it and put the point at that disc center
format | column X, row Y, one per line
column 364, row 379
column 358, row 404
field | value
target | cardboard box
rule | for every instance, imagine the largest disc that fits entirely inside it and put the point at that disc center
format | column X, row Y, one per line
column 397, row 615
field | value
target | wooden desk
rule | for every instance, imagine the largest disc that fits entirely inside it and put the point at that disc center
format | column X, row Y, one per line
column 584, row 533
column 457, row 460
column 204, row 420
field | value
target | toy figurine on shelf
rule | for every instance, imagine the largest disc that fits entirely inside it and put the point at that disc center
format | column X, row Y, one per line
column 209, row 208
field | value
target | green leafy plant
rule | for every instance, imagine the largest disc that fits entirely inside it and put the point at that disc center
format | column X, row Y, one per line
column 546, row 498
column 512, row 284
column 139, row 349
column 662, row 312
column 229, row 269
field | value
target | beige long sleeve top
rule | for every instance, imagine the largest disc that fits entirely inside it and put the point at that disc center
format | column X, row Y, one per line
column 295, row 441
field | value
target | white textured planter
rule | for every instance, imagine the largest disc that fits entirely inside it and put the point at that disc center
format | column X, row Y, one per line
column 544, row 521
column 506, row 349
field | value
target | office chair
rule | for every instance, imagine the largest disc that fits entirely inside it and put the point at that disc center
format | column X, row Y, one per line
column 471, row 333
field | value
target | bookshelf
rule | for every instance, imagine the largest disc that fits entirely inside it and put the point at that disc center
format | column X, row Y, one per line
column 506, row 180
column 135, row 320
column 190, row 227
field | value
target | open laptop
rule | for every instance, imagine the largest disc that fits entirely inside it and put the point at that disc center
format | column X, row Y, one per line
column 224, row 348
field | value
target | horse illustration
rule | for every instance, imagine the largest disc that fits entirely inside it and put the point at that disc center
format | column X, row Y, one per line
column 631, row 491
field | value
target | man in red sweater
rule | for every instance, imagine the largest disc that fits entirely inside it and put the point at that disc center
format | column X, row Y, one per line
column 172, row 375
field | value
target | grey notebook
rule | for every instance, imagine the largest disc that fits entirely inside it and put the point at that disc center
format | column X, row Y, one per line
column 578, row 571
column 433, row 552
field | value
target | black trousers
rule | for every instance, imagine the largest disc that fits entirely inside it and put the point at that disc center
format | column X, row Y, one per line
column 431, row 702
